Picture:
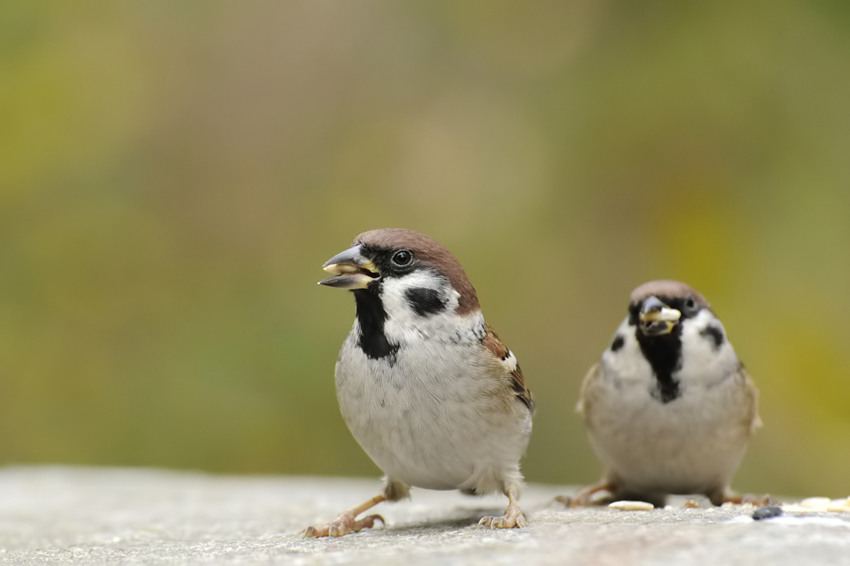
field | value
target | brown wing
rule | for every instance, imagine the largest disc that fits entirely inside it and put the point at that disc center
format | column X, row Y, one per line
column 498, row 348
column 752, row 416
column 584, row 404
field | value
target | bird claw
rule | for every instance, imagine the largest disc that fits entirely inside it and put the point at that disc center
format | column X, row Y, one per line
column 342, row 525
column 749, row 498
column 587, row 497
column 564, row 500
column 511, row 519
column 310, row 532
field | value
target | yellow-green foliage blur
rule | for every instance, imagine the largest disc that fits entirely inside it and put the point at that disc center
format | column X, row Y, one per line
column 173, row 175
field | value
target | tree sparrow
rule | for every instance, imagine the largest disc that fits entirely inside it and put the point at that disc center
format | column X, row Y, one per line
column 669, row 408
column 423, row 383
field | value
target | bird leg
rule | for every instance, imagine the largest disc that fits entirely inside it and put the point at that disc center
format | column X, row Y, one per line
column 347, row 521
column 513, row 516
column 754, row 500
column 584, row 498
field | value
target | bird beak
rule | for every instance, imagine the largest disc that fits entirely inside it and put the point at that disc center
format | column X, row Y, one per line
column 656, row 318
column 350, row 270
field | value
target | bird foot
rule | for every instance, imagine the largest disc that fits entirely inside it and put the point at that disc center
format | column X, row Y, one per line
column 342, row 525
column 749, row 498
column 564, row 500
column 513, row 518
column 586, row 497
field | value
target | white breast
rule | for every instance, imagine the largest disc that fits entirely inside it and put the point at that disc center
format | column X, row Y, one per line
column 434, row 417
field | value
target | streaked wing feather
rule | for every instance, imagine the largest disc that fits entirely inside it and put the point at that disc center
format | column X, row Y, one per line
column 584, row 403
column 752, row 416
column 517, row 381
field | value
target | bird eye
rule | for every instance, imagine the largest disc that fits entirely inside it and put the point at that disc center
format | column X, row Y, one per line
column 402, row 258
column 691, row 305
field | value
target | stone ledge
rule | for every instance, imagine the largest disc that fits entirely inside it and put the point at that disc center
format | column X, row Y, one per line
column 66, row 515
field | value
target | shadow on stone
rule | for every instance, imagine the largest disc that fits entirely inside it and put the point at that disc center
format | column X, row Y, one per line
column 454, row 523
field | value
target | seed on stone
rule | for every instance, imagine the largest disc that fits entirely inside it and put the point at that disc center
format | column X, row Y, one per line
column 815, row 502
column 632, row 505
column 839, row 506
column 794, row 508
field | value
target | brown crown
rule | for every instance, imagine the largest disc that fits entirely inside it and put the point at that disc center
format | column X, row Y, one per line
column 667, row 288
column 429, row 252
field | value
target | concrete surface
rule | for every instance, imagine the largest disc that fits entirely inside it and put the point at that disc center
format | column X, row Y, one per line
column 63, row 515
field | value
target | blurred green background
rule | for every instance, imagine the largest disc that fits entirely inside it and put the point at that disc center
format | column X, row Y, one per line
column 173, row 175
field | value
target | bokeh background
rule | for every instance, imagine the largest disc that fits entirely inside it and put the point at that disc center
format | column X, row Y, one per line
column 173, row 175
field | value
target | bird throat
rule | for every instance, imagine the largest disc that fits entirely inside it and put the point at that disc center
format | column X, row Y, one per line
column 664, row 354
column 372, row 316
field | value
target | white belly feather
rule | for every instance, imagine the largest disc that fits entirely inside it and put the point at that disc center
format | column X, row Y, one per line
column 430, row 419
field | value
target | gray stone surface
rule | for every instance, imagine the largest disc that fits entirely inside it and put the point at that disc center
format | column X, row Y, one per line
column 61, row 515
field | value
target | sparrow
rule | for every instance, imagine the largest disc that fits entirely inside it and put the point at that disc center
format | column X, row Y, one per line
column 425, row 385
column 669, row 408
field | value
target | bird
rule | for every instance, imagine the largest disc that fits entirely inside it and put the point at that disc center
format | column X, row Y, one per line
column 669, row 408
column 424, row 384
